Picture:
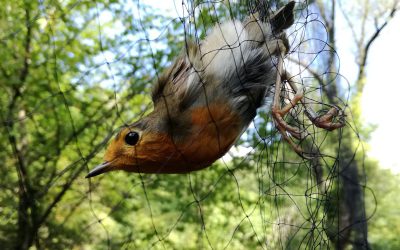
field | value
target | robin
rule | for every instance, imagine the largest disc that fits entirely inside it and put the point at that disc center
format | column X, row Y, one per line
column 206, row 99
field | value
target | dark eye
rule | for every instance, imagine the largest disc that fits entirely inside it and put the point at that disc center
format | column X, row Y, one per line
column 132, row 138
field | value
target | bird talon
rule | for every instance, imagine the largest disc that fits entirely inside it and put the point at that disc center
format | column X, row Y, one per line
column 325, row 121
column 280, row 122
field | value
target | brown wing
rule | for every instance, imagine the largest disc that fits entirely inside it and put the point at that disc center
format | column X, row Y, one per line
column 170, row 77
column 180, row 79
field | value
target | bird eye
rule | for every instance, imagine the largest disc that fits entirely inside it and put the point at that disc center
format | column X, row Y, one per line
column 132, row 138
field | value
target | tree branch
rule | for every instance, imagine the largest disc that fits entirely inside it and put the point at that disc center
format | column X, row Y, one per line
column 351, row 26
column 364, row 53
column 71, row 179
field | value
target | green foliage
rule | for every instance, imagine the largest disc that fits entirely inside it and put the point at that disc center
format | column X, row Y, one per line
column 74, row 71
column 383, row 200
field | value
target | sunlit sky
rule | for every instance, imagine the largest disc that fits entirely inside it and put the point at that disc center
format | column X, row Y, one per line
column 381, row 97
column 382, row 90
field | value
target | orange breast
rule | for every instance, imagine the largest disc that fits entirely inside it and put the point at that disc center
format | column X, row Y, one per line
column 214, row 129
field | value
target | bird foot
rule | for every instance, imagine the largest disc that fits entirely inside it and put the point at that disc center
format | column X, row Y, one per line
column 325, row 121
column 284, row 128
column 331, row 120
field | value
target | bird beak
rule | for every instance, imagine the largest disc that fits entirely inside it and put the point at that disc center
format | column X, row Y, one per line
column 100, row 169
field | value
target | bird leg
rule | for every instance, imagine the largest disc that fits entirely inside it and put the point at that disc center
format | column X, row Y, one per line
column 323, row 121
column 278, row 113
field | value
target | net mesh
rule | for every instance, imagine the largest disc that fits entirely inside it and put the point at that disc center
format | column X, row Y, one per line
column 81, row 70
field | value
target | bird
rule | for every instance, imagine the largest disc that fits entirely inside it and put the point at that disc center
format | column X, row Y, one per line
column 206, row 99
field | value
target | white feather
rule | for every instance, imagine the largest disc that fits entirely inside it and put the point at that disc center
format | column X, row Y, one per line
column 225, row 49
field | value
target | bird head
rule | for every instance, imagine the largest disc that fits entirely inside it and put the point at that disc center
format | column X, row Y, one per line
column 139, row 147
column 120, row 153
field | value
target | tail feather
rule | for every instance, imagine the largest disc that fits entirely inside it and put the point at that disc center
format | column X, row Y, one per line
column 280, row 20
column 283, row 18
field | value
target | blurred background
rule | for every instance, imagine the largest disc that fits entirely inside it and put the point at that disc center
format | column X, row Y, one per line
column 74, row 71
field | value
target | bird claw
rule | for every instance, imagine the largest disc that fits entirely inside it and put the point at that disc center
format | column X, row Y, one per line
column 331, row 120
column 325, row 121
column 281, row 124
column 286, row 129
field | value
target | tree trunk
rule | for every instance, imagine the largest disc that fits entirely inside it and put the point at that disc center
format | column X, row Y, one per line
column 352, row 218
